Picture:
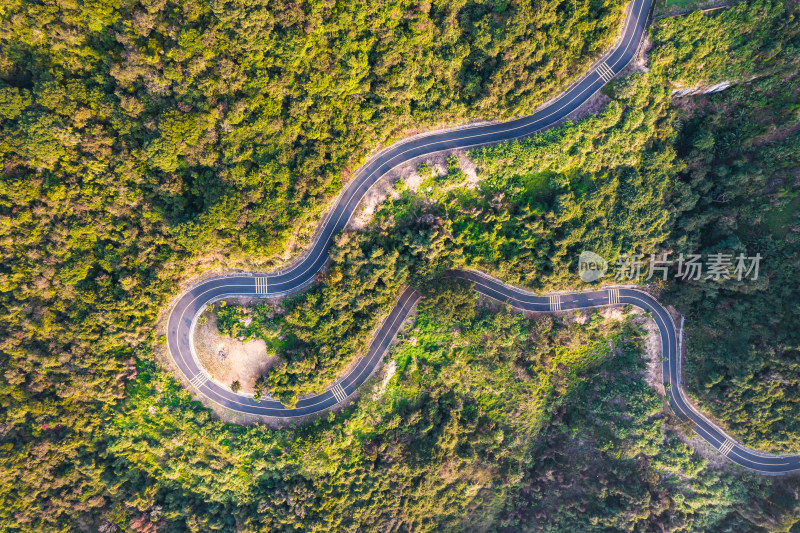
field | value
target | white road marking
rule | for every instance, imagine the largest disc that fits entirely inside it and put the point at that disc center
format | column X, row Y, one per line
column 613, row 296
column 198, row 380
column 555, row 302
column 261, row 285
column 605, row 72
column 726, row 447
column 338, row 393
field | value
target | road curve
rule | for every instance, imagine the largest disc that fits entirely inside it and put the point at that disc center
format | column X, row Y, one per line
column 670, row 350
column 189, row 305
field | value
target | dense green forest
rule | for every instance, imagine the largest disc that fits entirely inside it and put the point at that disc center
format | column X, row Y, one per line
column 229, row 122
column 142, row 143
column 509, row 222
column 742, row 151
column 613, row 183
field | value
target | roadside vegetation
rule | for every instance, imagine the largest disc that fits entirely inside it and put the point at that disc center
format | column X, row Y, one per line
column 135, row 146
column 143, row 142
column 742, row 154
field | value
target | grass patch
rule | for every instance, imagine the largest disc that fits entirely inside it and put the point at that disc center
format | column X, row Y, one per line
column 781, row 220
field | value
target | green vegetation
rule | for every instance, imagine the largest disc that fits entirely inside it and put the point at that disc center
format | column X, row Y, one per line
column 666, row 8
column 738, row 43
column 600, row 185
column 330, row 324
column 142, row 142
column 610, row 461
column 678, row 5
column 500, row 226
column 492, row 421
column 140, row 139
column 262, row 321
column 450, row 434
column 230, row 121
column 743, row 152
column 434, row 185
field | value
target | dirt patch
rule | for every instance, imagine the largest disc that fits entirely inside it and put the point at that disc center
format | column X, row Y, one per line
column 652, row 350
column 414, row 180
column 581, row 318
column 407, row 172
column 385, row 187
column 613, row 313
column 227, row 359
column 469, row 168
column 391, row 368
column 639, row 63
column 378, row 194
column 437, row 163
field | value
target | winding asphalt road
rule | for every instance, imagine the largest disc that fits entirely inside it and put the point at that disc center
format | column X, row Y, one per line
column 184, row 314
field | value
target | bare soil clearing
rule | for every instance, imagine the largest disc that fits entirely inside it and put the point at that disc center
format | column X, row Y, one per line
column 653, row 354
column 227, row 359
column 407, row 172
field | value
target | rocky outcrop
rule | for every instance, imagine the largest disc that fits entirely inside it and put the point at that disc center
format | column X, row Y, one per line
column 701, row 89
